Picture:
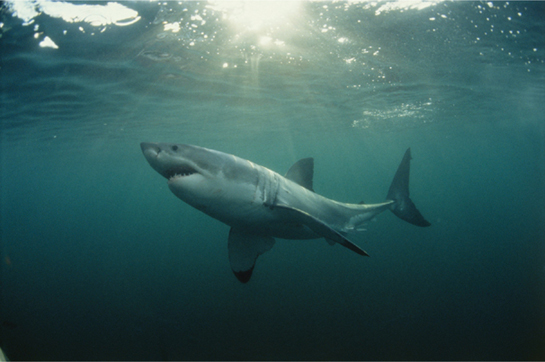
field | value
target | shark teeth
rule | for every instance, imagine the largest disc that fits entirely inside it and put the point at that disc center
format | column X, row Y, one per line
column 183, row 174
column 176, row 173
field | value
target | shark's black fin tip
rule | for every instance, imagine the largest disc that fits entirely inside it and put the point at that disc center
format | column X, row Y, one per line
column 244, row 276
column 424, row 223
column 361, row 252
column 244, row 248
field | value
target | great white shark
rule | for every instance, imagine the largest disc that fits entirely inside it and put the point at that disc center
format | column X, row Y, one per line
column 260, row 205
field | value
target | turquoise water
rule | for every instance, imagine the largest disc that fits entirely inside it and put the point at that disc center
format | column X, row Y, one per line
column 101, row 262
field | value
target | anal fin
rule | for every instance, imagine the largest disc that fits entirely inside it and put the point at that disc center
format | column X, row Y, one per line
column 244, row 248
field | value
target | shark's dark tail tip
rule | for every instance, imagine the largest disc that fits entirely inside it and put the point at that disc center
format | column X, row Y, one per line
column 403, row 207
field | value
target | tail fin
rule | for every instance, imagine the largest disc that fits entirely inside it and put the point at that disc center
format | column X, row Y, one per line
column 403, row 207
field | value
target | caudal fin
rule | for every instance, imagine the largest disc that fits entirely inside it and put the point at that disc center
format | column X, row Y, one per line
column 403, row 207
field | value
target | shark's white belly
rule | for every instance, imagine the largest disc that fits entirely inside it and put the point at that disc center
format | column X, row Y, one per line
column 251, row 205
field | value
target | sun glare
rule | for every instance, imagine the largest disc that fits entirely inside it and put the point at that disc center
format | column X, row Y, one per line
column 258, row 16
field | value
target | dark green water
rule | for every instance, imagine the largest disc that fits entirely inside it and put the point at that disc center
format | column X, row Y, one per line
column 99, row 261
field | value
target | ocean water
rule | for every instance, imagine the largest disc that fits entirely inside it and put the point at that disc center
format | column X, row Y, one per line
column 100, row 261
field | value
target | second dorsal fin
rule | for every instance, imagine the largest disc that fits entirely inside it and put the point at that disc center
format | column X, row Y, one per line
column 302, row 172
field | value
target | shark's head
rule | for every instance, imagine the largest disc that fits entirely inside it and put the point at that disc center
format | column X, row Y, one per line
column 195, row 174
column 174, row 161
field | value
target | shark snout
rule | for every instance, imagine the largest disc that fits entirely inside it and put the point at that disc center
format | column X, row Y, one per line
column 151, row 152
column 148, row 147
column 162, row 157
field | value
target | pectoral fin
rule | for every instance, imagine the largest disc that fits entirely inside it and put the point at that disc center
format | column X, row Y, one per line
column 244, row 248
column 321, row 228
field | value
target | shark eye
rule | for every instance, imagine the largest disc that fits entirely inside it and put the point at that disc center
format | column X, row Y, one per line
column 174, row 148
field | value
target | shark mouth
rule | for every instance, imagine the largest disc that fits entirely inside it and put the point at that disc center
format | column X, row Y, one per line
column 176, row 172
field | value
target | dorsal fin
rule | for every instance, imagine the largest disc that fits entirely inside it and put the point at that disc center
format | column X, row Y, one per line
column 302, row 172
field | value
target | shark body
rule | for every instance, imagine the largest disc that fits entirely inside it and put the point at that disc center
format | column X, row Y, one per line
column 260, row 204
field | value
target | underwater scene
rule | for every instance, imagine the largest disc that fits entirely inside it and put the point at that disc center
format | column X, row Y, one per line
column 152, row 150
